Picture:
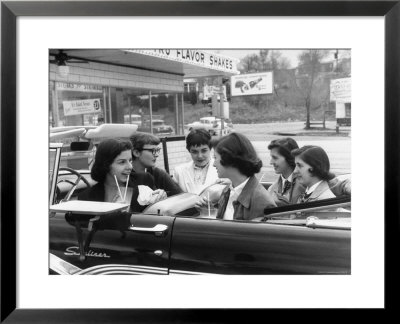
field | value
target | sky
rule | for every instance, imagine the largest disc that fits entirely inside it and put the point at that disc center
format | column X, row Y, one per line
column 291, row 55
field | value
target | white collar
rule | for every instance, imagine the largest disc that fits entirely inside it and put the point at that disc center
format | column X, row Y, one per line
column 313, row 187
column 239, row 188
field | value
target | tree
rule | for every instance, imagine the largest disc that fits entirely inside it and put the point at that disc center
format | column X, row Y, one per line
column 249, row 64
column 309, row 82
column 263, row 60
column 278, row 62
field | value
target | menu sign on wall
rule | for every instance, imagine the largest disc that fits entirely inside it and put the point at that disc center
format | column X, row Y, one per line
column 80, row 107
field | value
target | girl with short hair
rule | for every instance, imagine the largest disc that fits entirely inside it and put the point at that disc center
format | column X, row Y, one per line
column 286, row 189
column 313, row 172
column 245, row 198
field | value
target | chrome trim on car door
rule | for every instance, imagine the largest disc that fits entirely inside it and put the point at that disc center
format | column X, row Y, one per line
column 62, row 267
column 156, row 229
column 182, row 272
column 113, row 269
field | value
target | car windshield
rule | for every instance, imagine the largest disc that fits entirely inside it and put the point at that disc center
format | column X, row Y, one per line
column 52, row 167
column 54, row 161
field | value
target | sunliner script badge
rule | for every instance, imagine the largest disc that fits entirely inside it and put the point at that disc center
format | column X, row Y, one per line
column 74, row 250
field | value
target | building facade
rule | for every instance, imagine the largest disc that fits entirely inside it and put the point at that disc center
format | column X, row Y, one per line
column 89, row 87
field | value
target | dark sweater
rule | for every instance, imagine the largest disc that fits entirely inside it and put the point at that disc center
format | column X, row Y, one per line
column 97, row 192
column 163, row 180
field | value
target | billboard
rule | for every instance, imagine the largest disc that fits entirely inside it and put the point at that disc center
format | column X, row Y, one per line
column 340, row 90
column 251, row 84
column 210, row 90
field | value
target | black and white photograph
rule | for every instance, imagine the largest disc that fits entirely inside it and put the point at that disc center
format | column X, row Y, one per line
column 200, row 161
column 188, row 163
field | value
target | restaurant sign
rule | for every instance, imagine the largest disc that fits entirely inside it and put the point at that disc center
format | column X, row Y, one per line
column 197, row 57
column 80, row 107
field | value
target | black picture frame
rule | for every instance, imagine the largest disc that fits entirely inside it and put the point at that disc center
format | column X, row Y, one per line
column 10, row 10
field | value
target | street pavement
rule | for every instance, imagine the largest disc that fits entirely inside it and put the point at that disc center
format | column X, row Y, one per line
column 337, row 145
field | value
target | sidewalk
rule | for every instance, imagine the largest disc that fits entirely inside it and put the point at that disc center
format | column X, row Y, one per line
column 291, row 129
column 298, row 129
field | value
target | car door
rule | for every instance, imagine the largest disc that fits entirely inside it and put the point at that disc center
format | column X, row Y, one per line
column 142, row 248
column 245, row 247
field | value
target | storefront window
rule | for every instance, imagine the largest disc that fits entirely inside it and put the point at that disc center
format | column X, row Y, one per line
column 132, row 106
column 77, row 104
column 74, row 104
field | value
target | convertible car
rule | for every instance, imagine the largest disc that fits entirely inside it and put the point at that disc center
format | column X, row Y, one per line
column 171, row 237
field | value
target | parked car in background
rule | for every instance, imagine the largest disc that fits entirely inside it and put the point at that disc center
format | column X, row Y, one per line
column 159, row 128
column 212, row 124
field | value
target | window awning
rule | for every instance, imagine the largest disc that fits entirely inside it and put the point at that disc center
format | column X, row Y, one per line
column 190, row 63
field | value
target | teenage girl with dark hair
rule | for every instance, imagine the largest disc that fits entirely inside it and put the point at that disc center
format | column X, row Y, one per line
column 286, row 189
column 313, row 172
column 237, row 160
column 199, row 173
column 112, row 169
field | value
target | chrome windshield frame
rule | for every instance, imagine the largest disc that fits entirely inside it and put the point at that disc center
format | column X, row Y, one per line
column 55, row 165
